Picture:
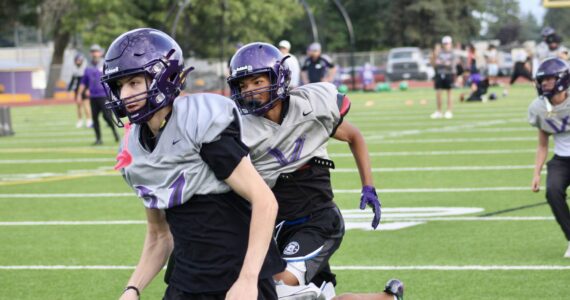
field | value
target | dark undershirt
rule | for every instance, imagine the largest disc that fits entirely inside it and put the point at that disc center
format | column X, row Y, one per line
column 222, row 155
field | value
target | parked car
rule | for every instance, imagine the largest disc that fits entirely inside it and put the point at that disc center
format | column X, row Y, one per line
column 408, row 63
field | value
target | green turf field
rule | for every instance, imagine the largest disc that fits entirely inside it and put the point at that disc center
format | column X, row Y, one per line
column 70, row 228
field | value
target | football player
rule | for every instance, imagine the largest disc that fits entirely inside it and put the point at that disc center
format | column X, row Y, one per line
column 550, row 113
column 287, row 133
column 184, row 158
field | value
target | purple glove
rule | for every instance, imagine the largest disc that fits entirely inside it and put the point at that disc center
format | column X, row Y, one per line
column 369, row 197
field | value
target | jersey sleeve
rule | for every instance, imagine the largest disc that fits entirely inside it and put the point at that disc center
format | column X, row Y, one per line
column 533, row 114
column 218, row 134
column 224, row 154
column 329, row 106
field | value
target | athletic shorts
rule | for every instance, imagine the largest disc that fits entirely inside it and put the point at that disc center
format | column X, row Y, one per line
column 493, row 70
column 443, row 81
column 312, row 239
column 266, row 291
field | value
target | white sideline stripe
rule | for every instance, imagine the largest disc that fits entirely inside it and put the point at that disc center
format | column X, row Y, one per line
column 384, row 218
column 50, row 141
column 434, row 153
column 429, row 169
column 471, row 130
column 442, row 141
column 44, row 223
column 439, row 190
column 55, row 160
column 336, row 191
column 452, row 268
column 336, row 268
column 461, row 116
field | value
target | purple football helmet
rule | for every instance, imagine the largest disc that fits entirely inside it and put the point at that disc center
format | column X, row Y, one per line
column 259, row 58
column 546, row 31
column 143, row 51
column 553, row 67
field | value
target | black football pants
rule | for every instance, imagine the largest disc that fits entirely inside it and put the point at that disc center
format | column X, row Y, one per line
column 557, row 182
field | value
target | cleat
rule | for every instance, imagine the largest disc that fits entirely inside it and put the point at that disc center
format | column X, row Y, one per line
column 448, row 115
column 395, row 287
column 436, row 115
column 567, row 254
column 79, row 124
column 298, row 292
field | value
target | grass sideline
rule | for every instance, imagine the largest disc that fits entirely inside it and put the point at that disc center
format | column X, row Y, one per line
column 478, row 159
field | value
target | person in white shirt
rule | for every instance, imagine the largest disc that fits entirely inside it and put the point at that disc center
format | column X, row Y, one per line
column 292, row 62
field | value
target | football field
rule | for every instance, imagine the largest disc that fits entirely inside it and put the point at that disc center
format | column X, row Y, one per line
column 458, row 222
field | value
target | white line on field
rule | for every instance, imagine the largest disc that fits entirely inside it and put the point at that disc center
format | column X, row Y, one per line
column 446, row 168
column 385, row 218
column 434, row 153
column 450, row 140
column 48, row 141
column 336, row 268
column 470, row 130
column 55, row 160
column 462, row 116
column 453, row 268
column 336, row 191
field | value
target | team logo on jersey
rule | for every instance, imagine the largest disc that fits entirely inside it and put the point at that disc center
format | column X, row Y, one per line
column 291, row 248
column 295, row 155
column 557, row 129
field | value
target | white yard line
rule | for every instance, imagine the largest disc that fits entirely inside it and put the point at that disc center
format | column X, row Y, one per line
column 336, row 191
column 436, row 153
column 453, row 268
column 442, row 141
column 55, row 160
column 441, row 169
column 336, row 268
column 385, row 218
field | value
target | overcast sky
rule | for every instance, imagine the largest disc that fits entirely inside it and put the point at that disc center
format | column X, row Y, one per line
column 533, row 6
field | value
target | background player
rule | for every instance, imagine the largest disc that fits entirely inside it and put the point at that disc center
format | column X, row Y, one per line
column 184, row 157
column 83, row 108
column 91, row 80
column 550, row 113
column 287, row 135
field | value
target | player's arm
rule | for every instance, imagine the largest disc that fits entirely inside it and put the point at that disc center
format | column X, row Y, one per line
column 82, row 86
column 245, row 181
column 157, row 247
column 541, row 153
column 349, row 133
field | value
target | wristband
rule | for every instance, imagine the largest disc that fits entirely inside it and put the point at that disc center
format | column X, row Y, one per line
column 131, row 287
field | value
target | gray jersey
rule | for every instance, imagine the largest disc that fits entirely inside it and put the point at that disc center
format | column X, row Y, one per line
column 552, row 119
column 174, row 171
column 315, row 110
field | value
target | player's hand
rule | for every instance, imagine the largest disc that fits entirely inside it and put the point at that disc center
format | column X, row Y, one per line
column 243, row 288
column 535, row 183
column 369, row 197
column 129, row 295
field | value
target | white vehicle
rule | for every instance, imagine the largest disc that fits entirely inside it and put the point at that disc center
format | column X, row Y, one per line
column 408, row 63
